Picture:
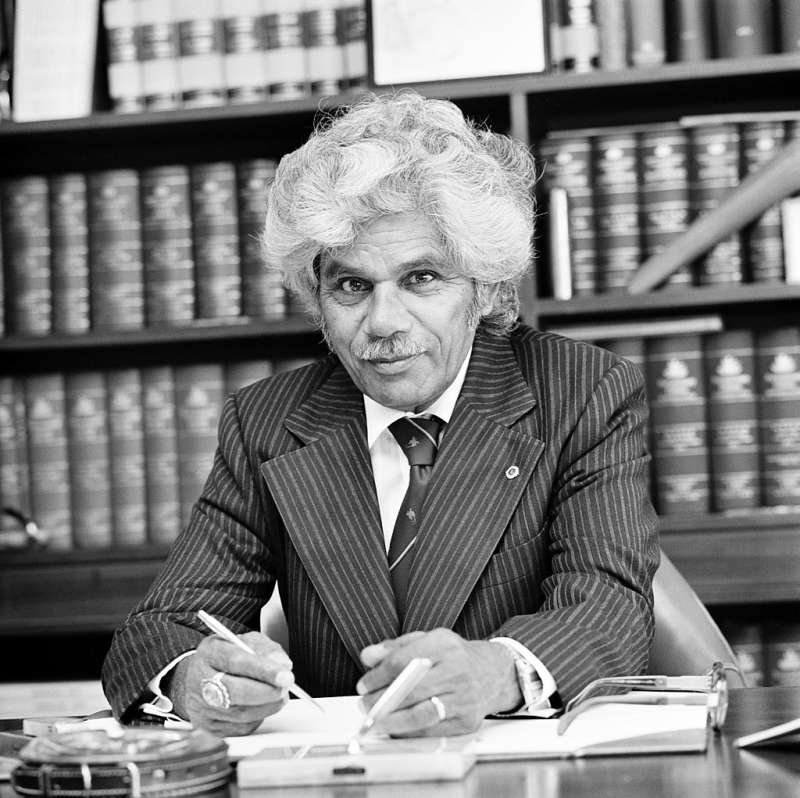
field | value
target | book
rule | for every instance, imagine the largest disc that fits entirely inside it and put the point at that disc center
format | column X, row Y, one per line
column 160, row 454
column 89, row 472
column 263, row 292
column 778, row 381
column 159, row 51
column 676, row 389
column 579, row 38
column 26, row 254
column 198, row 397
column 782, row 655
column 14, row 474
column 353, row 34
column 790, row 238
column 48, row 457
column 167, row 246
column 665, row 202
column 732, row 420
column 245, row 372
column 243, row 58
column 746, row 640
column 616, row 181
column 201, row 77
column 69, row 253
column 116, row 294
column 788, row 25
column 126, row 456
column 566, row 163
column 324, row 51
column 218, row 275
column 689, row 30
column 285, row 57
column 763, row 239
column 743, row 28
column 714, row 163
column 125, row 78
column 647, row 33
column 612, row 31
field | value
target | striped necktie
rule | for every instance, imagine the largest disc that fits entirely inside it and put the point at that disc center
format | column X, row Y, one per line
column 419, row 440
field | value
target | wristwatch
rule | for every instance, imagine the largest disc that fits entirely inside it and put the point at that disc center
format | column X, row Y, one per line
column 530, row 685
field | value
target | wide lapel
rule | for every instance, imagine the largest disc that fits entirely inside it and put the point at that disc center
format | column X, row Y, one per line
column 325, row 493
column 483, row 466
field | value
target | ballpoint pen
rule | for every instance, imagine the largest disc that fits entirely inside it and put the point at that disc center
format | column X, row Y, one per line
column 212, row 623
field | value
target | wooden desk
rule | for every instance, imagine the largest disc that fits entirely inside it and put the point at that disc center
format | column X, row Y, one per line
column 722, row 772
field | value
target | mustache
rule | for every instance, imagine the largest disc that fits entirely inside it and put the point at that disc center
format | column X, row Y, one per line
column 388, row 349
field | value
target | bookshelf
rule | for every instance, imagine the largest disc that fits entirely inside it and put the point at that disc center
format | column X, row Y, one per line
column 754, row 555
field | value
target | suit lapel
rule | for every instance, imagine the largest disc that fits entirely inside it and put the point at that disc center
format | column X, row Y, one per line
column 484, row 465
column 326, row 496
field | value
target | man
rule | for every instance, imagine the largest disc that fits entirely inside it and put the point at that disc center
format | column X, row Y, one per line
column 518, row 556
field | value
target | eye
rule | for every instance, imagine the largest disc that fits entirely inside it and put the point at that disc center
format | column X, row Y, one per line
column 421, row 277
column 352, row 285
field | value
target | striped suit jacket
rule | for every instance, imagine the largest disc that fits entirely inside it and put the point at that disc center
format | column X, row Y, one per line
column 536, row 524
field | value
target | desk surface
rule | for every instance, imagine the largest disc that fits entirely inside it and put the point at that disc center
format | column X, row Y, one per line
column 722, row 772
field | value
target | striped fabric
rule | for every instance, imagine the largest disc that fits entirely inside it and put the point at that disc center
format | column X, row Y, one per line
column 536, row 523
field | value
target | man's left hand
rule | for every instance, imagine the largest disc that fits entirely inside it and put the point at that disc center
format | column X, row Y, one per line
column 469, row 680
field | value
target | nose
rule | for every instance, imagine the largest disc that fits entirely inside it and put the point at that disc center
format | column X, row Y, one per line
column 386, row 314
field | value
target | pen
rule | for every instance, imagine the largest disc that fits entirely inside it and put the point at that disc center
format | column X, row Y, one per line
column 212, row 623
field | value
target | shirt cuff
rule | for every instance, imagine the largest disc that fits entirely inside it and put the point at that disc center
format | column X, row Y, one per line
column 544, row 706
column 160, row 705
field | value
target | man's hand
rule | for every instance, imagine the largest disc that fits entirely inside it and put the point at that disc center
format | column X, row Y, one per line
column 471, row 679
column 256, row 685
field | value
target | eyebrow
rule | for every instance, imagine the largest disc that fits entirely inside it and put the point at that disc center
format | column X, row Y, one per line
column 331, row 267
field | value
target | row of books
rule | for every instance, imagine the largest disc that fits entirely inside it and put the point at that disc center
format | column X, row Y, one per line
column 724, row 418
column 768, row 654
column 191, row 53
column 123, row 249
column 116, row 457
column 617, row 196
column 587, row 35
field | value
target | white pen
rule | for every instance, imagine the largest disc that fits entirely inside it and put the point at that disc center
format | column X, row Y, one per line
column 212, row 623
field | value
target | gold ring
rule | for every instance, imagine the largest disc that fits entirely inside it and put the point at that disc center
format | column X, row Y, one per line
column 215, row 692
column 439, row 707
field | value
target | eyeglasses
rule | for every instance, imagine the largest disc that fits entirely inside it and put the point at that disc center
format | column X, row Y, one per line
column 710, row 689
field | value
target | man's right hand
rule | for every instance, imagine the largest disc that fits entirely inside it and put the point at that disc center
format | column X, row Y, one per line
column 256, row 684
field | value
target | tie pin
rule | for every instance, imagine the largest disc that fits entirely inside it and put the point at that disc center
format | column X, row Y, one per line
column 512, row 472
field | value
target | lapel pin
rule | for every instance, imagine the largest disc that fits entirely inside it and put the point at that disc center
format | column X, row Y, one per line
column 512, row 472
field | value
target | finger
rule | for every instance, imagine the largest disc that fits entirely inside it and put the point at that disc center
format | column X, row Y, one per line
column 270, row 663
column 373, row 655
column 245, row 692
column 420, row 719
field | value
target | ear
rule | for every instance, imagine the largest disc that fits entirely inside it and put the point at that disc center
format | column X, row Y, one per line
column 486, row 295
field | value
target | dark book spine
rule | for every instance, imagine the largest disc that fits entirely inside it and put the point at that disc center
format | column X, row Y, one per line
column 616, row 168
column 245, row 372
column 263, row 293
column 732, row 420
column 116, row 293
column 579, row 36
column 714, row 159
column 353, row 35
column 216, row 240
column 89, row 470
column 747, row 642
column 14, row 472
column 763, row 239
column 690, row 31
column 198, row 397
column 782, row 654
column 125, row 85
column 566, row 161
column 201, row 38
column 167, row 246
column 243, row 62
column 665, row 192
column 778, row 373
column 26, row 255
column 126, row 454
column 612, row 30
column 743, row 28
column 647, row 33
column 69, row 258
column 285, row 57
column 48, row 457
column 676, row 389
column 789, row 25
column 324, row 51
column 161, row 454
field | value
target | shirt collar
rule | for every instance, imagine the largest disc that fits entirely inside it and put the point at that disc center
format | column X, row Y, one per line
column 380, row 417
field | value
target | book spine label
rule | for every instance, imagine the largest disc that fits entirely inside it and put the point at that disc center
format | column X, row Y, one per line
column 14, row 475
column 778, row 370
column 567, row 164
column 733, row 420
column 26, row 255
column 216, row 240
column 285, row 57
column 69, row 243
column 198, row 396
column 647, row 33
column 617, row 202
column 90, row 483
column 263, row 293
column 161, row 454
column 48, row 457
column 126, row 454
column 714, row 152
column 167, row 246
column 763, row 242
column 201, row 38
column 665, row 193
column 744, row 28
column 691, row 30
column 115, row 250
column 676, row 387
column 243, row 61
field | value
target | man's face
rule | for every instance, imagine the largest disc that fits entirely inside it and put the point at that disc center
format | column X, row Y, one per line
column 396, row 312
